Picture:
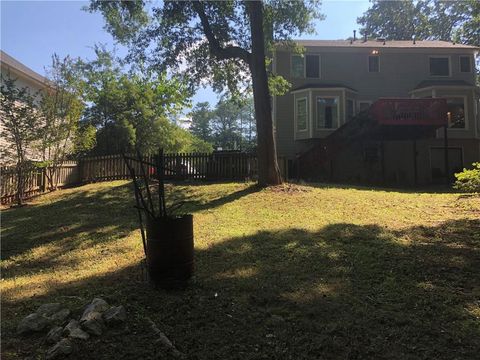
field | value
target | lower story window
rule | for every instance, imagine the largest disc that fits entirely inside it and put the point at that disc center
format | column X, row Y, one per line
column 302, row 114
column 327, row 113
column 350, row 109
column 363, row 106
column 456, row 113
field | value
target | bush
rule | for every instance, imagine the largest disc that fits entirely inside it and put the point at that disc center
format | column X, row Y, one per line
column 468, row 180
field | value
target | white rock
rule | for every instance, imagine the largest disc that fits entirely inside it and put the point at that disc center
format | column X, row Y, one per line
column 60, row 316
column 97, row 305
column 32, row 322
column 79, row 334
column 48, row 310
column 54, row 335
column 72, row 325
column 92, row 323
column 115, row 315
column 63, row 347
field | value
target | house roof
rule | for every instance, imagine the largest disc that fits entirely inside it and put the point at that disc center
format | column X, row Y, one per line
column 403, row 44
column 9, row 62
column 431, row 83
column 323, row 86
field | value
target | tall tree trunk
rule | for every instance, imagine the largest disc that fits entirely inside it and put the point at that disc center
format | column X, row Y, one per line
column 268, row 170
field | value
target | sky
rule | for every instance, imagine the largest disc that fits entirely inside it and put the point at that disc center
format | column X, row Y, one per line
column 31, row 31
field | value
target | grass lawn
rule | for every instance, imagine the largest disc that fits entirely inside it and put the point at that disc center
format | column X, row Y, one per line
column 293, row 272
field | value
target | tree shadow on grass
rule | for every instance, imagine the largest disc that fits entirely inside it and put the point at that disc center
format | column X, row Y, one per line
column 343, row 292
column 79, row 218
column 84, row 218
column 197, row 202
column 429, row 189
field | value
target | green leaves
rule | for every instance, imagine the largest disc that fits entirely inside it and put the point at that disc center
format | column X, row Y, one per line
column 20, row 120
column 427, row 19
column 469, row 179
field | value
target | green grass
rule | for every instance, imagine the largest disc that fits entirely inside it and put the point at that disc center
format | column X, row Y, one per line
column 293, row 272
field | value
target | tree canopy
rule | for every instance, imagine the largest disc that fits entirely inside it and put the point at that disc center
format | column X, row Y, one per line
column 134, row 111
column 426, row 20
column 222, row 43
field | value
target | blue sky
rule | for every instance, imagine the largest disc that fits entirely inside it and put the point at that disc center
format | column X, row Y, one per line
column 31, row 31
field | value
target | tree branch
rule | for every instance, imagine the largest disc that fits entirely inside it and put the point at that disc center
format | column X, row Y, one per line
column 221, row 53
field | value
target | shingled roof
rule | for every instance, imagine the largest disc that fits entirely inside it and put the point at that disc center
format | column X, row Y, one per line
column 8, row 62
column 402, row 44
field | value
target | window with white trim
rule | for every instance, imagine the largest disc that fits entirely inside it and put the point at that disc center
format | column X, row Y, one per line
column 456, row 112
column 439, row 66
column 302, row 114
column 327, row 113
column 298, row 66
column 307, row 66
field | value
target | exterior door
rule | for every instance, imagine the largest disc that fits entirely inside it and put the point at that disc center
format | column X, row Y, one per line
column 437, row 163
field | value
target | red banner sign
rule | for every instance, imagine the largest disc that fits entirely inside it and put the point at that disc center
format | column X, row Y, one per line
column 425, row 112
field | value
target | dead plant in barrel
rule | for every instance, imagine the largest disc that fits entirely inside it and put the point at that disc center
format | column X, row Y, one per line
column 167, row 237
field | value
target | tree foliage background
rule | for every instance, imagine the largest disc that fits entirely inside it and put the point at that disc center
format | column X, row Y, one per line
column 135, row 110
column 230, row 125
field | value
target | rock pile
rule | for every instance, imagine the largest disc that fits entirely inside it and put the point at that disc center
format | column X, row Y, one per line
column 63, row 332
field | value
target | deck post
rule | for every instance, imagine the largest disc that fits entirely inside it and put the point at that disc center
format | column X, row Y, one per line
column 445, row 144
column 415, row 173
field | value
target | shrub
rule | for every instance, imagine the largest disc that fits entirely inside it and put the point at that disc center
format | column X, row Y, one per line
column 468, row 180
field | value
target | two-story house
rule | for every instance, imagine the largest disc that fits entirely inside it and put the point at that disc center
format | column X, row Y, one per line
column 333, row 81
column 24, row 78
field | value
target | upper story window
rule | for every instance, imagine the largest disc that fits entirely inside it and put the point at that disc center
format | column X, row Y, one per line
column 298, row 66
column 465, row 64
column 312, row 66
column 373, row 63
column 301, row 114
column 439, row 66
column 307, row 66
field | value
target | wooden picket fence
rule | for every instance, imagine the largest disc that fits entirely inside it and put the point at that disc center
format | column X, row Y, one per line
column 35, row 180
column 217, row 166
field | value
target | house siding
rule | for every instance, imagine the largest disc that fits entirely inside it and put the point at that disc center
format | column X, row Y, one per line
column 344, row 73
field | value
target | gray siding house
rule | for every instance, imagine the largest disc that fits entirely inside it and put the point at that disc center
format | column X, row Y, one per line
column 333, row 81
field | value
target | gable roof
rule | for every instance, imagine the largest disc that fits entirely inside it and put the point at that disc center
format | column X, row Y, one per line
column 401, row 44
column 9, row 62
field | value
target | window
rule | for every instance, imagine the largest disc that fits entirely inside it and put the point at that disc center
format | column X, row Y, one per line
column 327, row 113
column 363, row 106
column 313, row 66
column 439, row 66
column 465, row 64
column 298, row 66
column 302, row 114
column 373, row 63
column 308, row 66
column 456, row 113
column 350, row 109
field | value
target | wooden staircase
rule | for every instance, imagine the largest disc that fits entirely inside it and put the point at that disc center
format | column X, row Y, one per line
column 313, row 163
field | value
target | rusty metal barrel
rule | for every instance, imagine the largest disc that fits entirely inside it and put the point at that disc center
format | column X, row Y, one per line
column 170, row 251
